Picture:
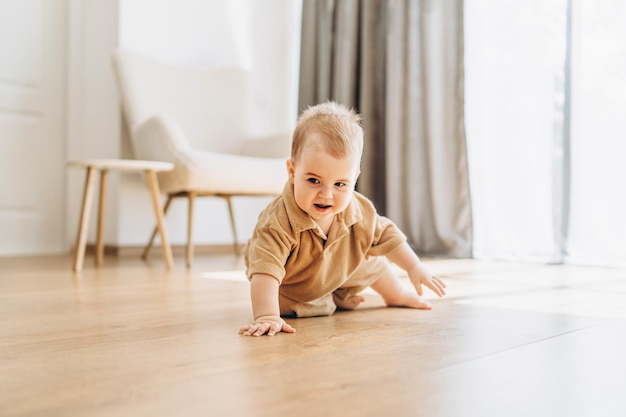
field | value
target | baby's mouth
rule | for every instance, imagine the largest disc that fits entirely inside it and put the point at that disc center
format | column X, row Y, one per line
column 322, row 206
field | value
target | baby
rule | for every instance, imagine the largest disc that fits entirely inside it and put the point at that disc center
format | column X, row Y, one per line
column 320, row 243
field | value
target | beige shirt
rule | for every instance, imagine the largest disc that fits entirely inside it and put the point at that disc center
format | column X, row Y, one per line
column 289, row 246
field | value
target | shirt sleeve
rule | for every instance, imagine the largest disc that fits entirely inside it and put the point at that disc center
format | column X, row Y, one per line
column 267, row 252
column 387, row 237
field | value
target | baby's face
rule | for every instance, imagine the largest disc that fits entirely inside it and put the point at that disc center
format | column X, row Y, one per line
column 323, row 184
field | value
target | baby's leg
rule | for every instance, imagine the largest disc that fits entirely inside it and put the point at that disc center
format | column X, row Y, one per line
column 347, row 297
column 395, row 295
column 323, row 306
column 350, row 302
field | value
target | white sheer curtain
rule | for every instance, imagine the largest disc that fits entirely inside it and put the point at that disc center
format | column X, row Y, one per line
column 545, row 105
column 598, row 213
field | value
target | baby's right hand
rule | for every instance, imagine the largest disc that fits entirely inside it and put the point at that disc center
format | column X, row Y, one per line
column 269, row 325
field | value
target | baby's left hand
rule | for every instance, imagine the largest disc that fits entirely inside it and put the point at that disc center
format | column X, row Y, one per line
column 421, row 276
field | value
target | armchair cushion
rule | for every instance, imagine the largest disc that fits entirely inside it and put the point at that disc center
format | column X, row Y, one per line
column 161, row 138
column 228, row 174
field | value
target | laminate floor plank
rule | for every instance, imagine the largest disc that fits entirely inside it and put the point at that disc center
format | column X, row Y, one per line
column 133, row 338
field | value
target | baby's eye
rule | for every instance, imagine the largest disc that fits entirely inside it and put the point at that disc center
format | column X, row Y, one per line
column 340, row 184
column 313, row 180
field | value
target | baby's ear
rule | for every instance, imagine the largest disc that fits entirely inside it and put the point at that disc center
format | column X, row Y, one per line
column 290, row 169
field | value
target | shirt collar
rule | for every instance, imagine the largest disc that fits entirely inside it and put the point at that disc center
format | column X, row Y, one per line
column 300, row 220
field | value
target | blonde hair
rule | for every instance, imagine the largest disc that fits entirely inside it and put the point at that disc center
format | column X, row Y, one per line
column 339, row 127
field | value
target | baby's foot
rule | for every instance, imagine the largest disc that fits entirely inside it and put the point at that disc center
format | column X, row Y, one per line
column 349, row 303
column 408, row 299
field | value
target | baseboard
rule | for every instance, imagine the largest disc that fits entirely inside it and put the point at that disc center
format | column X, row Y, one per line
column 177, row 250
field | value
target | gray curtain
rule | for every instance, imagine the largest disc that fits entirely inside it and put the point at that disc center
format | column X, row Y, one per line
column 400, row 64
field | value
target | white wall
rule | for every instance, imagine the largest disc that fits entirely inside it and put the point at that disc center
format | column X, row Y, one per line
column 261, row 36
column 93, row 118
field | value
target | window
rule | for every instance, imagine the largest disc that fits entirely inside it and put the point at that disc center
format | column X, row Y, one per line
column 545, row 104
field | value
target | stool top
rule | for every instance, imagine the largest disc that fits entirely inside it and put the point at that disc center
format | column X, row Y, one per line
column 123, row 164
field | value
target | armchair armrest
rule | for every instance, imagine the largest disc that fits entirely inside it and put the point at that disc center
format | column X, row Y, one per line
column 158, row 138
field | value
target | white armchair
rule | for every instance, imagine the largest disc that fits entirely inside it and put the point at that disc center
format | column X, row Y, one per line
column 197, row 118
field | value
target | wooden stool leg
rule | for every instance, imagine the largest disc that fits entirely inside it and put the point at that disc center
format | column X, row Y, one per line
column 146, row 250
column 153, row 185
column 190, row 210
column 81, row 239
column 232, row 224
column 101, row 209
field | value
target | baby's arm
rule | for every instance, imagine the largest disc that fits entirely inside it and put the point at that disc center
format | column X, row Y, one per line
column 406, row 259
column 265, row 308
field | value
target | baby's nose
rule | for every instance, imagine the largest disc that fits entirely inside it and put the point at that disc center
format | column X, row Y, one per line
column 326, row 192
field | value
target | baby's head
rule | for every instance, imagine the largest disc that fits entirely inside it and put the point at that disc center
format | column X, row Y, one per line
column 332, row 126
column 325, row 160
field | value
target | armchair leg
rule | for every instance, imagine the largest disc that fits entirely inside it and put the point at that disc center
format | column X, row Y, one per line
column 146, row 250
column 232, row 225
column 189, row 251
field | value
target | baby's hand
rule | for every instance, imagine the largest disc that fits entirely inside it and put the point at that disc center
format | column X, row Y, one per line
column 420, row 276
column 269, row 325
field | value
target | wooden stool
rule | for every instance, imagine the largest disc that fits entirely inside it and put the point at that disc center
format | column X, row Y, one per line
column 125, row 165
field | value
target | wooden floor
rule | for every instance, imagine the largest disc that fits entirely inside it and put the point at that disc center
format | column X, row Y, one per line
column 132, row 339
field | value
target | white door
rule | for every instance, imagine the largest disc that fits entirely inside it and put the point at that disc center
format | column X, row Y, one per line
column 32, row 113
